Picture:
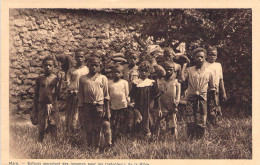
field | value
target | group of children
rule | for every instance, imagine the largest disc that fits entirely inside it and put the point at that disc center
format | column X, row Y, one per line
column 133, row 99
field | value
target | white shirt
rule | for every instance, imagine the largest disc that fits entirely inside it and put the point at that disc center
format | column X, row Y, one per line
column 74, row 75
column 217, row 73
column 119, row 92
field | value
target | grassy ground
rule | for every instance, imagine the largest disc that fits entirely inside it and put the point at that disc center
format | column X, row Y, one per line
column 232, row 139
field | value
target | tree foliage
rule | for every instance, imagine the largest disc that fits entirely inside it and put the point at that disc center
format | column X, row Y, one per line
column 228, row 29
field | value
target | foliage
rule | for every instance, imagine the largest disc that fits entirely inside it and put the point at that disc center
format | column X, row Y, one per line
column 228, row 29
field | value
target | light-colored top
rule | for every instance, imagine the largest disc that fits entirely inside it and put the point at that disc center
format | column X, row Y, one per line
column 170, row 90
column 73, row 77
column 93, row 90
column 217, row 72
column 199, row 81
column 118, row 92
column 143, row 83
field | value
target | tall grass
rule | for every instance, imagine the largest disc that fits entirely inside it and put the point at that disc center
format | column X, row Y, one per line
column 232, row 139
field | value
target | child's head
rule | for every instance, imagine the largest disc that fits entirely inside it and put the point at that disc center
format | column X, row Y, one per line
column 199, row 56
column 79, row 56
column 168, row 54
column 117, row 71
column 212, row 54
column 132, row 58
column 144, row 69
column 48, row 65
column 94, row 65
column 160, row 60
column 169, row 68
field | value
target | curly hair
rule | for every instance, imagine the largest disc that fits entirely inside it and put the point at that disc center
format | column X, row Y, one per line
column 48, row 58
column 145, row 66
column 78, row 51
column 118, row 66
column 197, row 50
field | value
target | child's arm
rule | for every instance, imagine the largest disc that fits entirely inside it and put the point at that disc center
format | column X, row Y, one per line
column 222, row 88
column 106, row 98
column 184, row 74
column 157, row 100
column 127, row 92
column 178, row 93
column 221, row 85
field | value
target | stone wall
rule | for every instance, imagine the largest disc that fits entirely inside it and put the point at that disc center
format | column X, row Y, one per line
column 37, row 33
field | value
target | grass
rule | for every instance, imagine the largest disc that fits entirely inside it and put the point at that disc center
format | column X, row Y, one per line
column 232, row 139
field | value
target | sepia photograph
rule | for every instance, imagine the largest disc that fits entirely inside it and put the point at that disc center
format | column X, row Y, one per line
column 130, row 83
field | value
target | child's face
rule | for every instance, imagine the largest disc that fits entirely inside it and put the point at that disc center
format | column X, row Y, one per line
column 132, row 60
column 117, row 73
column 48, row 67
column 212, row 56
column 80, row 57
column 169, row 71
column 200, row 58
column 94, row 67
column 168, row 57
column 144, row 74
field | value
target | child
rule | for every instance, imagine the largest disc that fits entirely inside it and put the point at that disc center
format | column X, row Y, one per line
column 213, row 100
column 93, row 99
column 145, row 95
column 72, row 113
column 169, row 56
column 200, row 79
column 170, row 88
column 118, row 91
column 45, row 99
column 131, row 71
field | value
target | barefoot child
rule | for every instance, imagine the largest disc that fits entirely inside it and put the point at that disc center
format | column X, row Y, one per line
column 213, row 99
column 45, row 99
column 119, row 99
column 200, row 80
column 131, row 71
column 93, row 98
column 170, row 97
column 145, row 95
column 169, row 56
column 72, row 113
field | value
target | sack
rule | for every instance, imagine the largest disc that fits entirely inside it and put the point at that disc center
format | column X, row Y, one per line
column 34, row 117
column 134, row 117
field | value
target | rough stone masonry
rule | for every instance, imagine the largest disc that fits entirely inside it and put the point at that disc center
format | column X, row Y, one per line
column 37, row 33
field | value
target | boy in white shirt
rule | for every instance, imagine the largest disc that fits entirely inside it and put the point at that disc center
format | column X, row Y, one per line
column 213, row 98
